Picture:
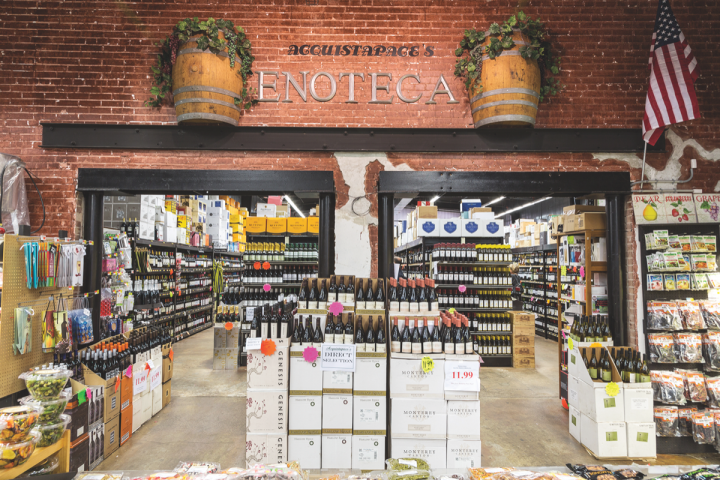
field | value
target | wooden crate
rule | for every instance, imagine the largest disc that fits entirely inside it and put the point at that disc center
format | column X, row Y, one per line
column 520, row 361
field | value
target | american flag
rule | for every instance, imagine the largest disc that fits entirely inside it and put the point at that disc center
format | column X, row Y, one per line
column 673, row 71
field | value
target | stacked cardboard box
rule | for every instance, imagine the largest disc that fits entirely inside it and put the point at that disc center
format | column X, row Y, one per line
column 79, row 412
column 226, row 349
column 617, row 426
column 523, row 334
column 267, row 405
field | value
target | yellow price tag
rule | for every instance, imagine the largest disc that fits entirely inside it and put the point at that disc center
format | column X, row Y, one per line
column 452, row 311
column 563, row 270
column 427, row 364
column 570, row 343
column 612, row 389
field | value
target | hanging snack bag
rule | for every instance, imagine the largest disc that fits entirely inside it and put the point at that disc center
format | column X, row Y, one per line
column 701, row 281
column 713, row 280
column 655, row 380
column 703, row 427
column 666, row 421
column 711, row 351
column 689, row 347
column 684, row 261
column 685, row 421
column 674, row 243
column 710, row 310
column 662, row 348
column 698, row 262
column 682, row 281
column 654, row 281
column 669, row 281
column 663, row 316
column 661, row 239
column 711, row 262
column 690, row 315
column 672, row 388
column 685, row 244
column 671, row 260
column 710, row 243
column 697, row 243
column 655, row 262
column 696, row 386
column 713, row 391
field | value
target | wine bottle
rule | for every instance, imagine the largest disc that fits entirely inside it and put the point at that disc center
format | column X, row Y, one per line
column 339, row 331
column 448, row 343
column 406, row 337
column 369, row 295
column 323, row 297
column 644, row 376
column 313, row 297
column 427, row 345
column 329, row 329
column 332, row 291
column 380, row 296
column 349, row 292
column 393, row 299
column 413, row 296
column 415, row 340
column 318, row 336
column 602, row 371
column 380, row 341
column 303, row 297
column 308, row 334
column 359, row 335
column 370, row 337
column 458, row 340
column 466, row 337
column 360, row 297
column 593, row 368
column 349, row 329
column 295, row 339
column 435, row 340
column 403, row 296
column 395, row 341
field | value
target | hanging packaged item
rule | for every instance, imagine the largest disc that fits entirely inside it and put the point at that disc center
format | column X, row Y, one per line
column 48, row 327
column 663, row 316
column 22, row 341
column 63, row 327
column 713, row 391
column 662, row 348
column 695, row 389
column 666, row 421
column 710, row 310
column 689, row 347
column 690, row 315
column 81, row 318
column 685, row 414
column 668, row 387
column 703, row 427
column 711, row 351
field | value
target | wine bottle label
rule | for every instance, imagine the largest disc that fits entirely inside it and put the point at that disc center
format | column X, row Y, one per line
column 360, row 305
column 263, row 330
column 631, row 377
column 606, row 375
column 329, row 338
column 450, row 348
column 380, row 305
column 394, row 306
column 312, row 305
column 424, row 306
column 380, row 348
column 427, row 347
column 435, row 306
column 348, row 339
column 460, row 348
column 416, row 348
column 437, row 347
column 370, row 347
column 414, row 307
column 405, row 306
column 332, row 297
column 406, row 347
column 322, row 305
column 593, row 372
column 469, row 347
column 395, row 347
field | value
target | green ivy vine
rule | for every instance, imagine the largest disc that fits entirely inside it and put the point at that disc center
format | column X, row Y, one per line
column 238, row 45
column 471, row 51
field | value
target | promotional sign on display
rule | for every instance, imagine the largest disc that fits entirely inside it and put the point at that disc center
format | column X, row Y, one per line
column 253, row 343
column 462, row 376
column 155, row 378
column 338, row 357
column 139, row 382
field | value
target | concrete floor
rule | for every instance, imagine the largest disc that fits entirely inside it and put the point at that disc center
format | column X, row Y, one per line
column 523, row 423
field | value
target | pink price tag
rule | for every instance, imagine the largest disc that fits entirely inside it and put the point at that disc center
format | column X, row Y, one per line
column 462, row 288
column 267, row 287
column 336, row 308
column 532, row 299
column 310, row 354
column 88, row 393
column 582, row 272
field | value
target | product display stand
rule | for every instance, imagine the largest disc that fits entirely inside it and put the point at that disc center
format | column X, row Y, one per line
column 673, row 445
column 62, row 447
column 538, row 274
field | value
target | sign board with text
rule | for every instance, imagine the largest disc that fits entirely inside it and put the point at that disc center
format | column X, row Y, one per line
column 462, row 376
column 338, row 357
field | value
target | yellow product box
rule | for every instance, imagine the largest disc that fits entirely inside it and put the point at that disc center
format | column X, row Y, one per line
column 237, row 237
column 256, row 225
column 276, row 225
column 236, row 227
column 232, row 210
column 236, row 218
column 313, row 224
column 171, row 206
column 226, row 198
column 297, row 225
column 243, row 212
column 183, row 221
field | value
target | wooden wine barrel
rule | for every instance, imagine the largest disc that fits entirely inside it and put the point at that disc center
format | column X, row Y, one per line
column 205, row 86
column 510, row 89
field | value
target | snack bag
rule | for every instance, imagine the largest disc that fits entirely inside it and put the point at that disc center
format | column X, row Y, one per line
column 685, row 421
column 711, row 313
column 713, row 391
column 674, row 243
column 655, row 380
column 696, row 387
column 690, row 315
column 591, row 472
column 626, row 474
column 406, row 464
column 663, row 316
column 661, row 239
column 666, row 421
column 662, row 348
column 697, row 243
column 689, row 347
column 703, row 427
column 672, row 388
column 685, row 245
column 710, row 243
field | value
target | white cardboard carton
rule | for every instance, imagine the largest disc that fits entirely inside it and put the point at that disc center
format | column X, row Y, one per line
column 337, row 382
column 266, row 411
column 593, row 399
column 265, row 449
column 472, row 227
column 574, row 423
column 305, row 449
column 450, row 227
column 369, row 415
column 157, row 398
column 638, row 403
column 305, row 378
column 337, row 451
column 573, row 392
column 464, row 453
column 305, row 415
column 337, row 414
column 605, row 439
column 269, row 372
column 368, row 452
column 418, row 418
column 370, row 373
column 641, row 441
column 408, row 379
column 463, row 420
column 434, row 452
column 492, row 228
column 428, row 227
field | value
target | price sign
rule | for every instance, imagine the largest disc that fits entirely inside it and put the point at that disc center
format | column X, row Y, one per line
column 155, row 378
column 253, row 343
column 462, row 375
column 140, row 382
column 338, row 357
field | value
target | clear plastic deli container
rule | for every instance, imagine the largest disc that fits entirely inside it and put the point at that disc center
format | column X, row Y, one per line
column 14, row 454
column 50, row 410
column 16, row 422
column 46, row 384
column 52, row 432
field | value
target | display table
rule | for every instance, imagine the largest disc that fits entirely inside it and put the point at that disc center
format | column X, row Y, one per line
column 40, row 455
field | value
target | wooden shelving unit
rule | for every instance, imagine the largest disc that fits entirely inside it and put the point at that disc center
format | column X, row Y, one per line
column 546, row 324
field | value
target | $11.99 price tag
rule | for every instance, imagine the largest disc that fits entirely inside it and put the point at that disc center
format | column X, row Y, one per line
column 462, row 376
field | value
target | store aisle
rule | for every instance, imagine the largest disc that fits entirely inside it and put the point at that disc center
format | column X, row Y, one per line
column 204, row 421
column 523, row 423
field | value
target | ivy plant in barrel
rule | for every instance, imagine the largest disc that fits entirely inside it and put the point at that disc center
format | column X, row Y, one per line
column 508, row 70
column 205, row 65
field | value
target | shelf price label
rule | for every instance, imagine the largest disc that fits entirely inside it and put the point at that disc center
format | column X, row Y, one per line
column 462, row 375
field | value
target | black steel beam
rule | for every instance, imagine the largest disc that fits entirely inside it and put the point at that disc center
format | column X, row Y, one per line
column 510, row 183
column 386, row 251
column 176, row 137
column 215, row 182
column 615, row 210
column 326, row 235
column 93, row 228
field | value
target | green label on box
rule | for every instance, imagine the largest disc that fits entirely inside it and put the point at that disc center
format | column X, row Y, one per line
column 642, row 437
column 611, row 436
column 574, row 420
column 609, row 403
column 572, row 359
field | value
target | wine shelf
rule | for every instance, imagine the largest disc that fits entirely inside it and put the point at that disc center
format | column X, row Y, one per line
column 472, row 286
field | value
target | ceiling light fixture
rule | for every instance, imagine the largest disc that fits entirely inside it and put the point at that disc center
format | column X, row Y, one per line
column 498, row 199
column 294, row 207
column 432, row 200
column 522, row 206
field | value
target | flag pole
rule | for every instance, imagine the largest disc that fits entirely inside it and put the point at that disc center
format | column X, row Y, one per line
column 642, row 177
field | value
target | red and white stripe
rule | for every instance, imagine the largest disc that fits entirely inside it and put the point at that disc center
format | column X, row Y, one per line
column 671, row 96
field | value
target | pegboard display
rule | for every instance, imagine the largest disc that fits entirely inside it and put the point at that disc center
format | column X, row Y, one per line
column 16, row 294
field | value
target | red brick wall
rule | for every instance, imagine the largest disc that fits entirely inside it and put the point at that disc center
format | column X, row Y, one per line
column 89, row 61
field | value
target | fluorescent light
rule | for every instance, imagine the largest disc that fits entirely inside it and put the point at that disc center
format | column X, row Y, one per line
column 522, row 206
column 432, row 201
column 294, row 207
column 493, row 201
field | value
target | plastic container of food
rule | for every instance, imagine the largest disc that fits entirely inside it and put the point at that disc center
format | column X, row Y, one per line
column 45, row 468
column 50, row 410
column 52, row 432
column 46, row 384
column 16, row 422
column 14, row 454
